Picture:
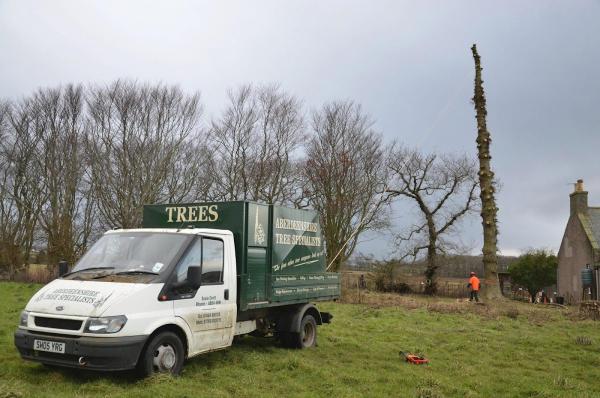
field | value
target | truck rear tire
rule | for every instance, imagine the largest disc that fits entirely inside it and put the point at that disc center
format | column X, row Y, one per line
column 163, row 354
column 306, row 337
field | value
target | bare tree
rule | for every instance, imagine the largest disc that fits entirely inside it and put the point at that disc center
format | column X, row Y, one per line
column 67, row 213
column 190, row 177
column 443, row 190
column 281, row 132
column 4, row 175
column 137, row 143
column 489, row 210
column 255, row 143
column 4, row 134
column 21, row 194
column 345, row 174
column 231, row 141
column 4, row 109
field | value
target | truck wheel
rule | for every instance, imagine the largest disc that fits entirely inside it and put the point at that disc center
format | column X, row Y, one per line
column 307, row 337
column 163, row 354
column 308, row 332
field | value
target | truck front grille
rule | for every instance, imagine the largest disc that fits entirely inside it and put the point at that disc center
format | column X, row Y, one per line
column 58, row 323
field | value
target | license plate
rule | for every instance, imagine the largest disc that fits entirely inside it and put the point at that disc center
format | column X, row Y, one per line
column 49, row 346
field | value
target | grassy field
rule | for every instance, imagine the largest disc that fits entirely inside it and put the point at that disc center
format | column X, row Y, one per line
column 512, row 350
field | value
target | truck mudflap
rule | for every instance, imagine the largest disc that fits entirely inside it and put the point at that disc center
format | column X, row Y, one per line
column 326, row 317
column 93, row 353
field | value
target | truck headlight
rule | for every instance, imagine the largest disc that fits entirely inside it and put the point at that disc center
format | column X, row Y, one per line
column 106, row 324
column 24, row 317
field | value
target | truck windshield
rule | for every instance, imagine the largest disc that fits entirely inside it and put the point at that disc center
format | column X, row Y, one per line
column 132, row 252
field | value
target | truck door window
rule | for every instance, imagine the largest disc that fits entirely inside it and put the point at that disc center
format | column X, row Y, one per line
column 192, row 257
column 212, row 261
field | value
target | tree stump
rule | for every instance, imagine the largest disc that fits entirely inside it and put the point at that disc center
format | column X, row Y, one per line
column 590, row 309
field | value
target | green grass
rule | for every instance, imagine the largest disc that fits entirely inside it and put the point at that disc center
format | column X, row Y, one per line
column 473, row 354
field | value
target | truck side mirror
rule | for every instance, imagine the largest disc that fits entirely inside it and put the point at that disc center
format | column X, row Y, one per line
column 63, row 268
column 194, row 275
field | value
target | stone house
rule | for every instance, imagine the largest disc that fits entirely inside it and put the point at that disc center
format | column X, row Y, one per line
column 579, row 246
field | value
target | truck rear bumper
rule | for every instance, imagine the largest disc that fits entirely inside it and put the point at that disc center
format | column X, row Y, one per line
column 94, row 353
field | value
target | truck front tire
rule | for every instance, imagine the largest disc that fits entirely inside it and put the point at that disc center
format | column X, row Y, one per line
column 163, row 354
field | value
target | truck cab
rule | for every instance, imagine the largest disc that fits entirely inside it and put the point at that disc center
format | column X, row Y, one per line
column 149, row 298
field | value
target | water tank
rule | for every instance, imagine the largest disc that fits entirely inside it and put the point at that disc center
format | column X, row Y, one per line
column 587, row 277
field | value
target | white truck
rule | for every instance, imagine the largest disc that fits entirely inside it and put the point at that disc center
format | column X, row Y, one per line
column 193, row 278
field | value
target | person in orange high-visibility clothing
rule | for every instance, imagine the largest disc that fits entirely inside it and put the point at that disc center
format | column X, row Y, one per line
column 474, row 285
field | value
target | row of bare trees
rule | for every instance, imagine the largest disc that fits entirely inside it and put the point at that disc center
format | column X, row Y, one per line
column 77, row 160
column 74, row 161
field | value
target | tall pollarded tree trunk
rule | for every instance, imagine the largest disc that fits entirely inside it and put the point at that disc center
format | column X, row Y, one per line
column 489, row 210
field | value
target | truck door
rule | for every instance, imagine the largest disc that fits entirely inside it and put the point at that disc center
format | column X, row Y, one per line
column 210, row 311
column 258, row 263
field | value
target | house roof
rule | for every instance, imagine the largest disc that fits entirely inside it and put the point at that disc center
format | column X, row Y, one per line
column 591, row 224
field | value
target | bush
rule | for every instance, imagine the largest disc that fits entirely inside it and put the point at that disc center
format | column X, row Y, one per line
column 534, row 270
column 400, row 287
column 382, row 276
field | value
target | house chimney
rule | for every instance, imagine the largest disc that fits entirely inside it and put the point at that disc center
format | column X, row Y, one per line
column 579, row 199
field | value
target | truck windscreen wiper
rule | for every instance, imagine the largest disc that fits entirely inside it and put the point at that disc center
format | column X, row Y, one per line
column 136, row 271
column 88, row 269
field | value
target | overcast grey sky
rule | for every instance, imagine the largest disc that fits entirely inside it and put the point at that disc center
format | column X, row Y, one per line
column 408, row 63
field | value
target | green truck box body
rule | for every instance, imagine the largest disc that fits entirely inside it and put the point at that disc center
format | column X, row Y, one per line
column 279, row 251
